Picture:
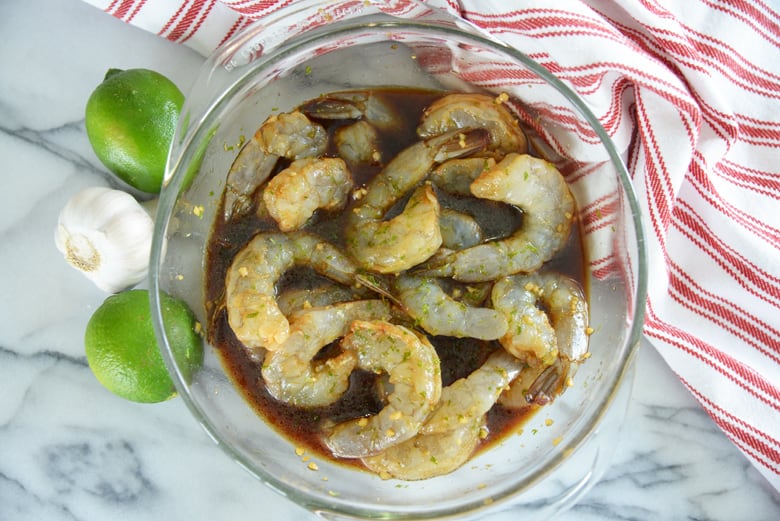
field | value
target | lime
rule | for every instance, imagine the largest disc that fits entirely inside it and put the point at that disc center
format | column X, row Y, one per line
column 122, row 350
column 130, row 120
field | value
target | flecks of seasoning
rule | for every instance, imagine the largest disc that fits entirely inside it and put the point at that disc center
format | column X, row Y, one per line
column 588, row 331
column 300, row 451
column 385, row 475
column 179, row 277
column 243, row 271
column 308, row 70
column 557, row 440
column 502, row 98
column 313, row 466
column 198, row 211
column 548, row 422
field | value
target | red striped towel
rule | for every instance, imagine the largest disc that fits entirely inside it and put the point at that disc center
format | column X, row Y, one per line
column 690, row 89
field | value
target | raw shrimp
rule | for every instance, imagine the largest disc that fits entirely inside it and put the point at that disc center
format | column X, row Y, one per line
column 452, row 431
column 540, row 191
column 458, row 230
column 553, row 337
column 250, row 285
column 361, row 105
column 456, row 175
column 439, row 314
column 412, row 365
column 325, row 294
column 289, row 373
column 291, row 135
column 466, row 400
column 475, row 110
column 358, row 143
column 294, row 194
column 428, row 455
column 413, row 236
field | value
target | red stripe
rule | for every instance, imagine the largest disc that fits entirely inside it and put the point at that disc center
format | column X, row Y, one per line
column 733, row 370
column 753, row 331
column 172, row 19
column 187, row 20
column 123, row 8
column 703, row 185
column 201, row 18
column 111, row 7
column 741, row 433
column 135, row 11
column 752, row 179
column 240, row 23
column 751, row 277
column 752, row 15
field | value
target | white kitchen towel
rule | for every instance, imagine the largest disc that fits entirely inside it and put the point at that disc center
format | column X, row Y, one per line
column 690, row 88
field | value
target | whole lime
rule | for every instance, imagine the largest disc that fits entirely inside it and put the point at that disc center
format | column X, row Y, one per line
column 122, row 350
column 130, row 120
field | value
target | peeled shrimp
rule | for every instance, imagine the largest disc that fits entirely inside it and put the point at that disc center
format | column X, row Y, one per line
column 428, row 455
column 458, row 230
column 466, row 400
column 452, row 431
column 548, row 321
column 250, row 285
column 289, row 373
column 413, row 236
column 439, row 314
column 291, row 135
column 325, row 294
column 540, row 191
column 475, row 110
column 294, row 194
column 414, row 374
column 358, row 143
column 456, row 175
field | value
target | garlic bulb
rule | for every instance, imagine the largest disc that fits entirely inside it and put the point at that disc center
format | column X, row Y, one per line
column 107, row 235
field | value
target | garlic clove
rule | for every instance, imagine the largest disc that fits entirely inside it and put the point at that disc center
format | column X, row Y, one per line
column 107, row 235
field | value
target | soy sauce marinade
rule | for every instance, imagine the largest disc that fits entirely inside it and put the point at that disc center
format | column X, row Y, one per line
column 459, row 357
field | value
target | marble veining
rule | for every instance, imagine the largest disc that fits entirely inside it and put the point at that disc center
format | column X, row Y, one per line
column 70, row 451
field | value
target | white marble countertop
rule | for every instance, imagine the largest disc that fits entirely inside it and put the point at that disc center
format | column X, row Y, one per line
column 69, row 450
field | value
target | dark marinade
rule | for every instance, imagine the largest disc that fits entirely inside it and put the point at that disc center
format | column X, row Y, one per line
column 459, row 357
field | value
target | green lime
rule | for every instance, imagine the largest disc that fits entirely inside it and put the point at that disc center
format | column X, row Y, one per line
column 122, row 349
column 130, row 120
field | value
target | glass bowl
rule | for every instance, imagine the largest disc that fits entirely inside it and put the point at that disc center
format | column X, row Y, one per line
column 313, row 47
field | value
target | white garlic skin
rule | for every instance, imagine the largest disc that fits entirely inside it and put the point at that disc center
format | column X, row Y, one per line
column 107, row 235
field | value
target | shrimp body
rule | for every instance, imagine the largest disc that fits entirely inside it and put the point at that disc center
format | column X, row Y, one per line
column 250, row 284
column 535, row 186
column 439, row 314
column 471, row 111
column 414, row 235
column 289, row 373
column 427, row 455
column 294, row 194
column 412, row 365
column 468, row 399
column 453, row 430
column 358, row 143
column 458, row 230
column 291, row 135
column 555, row 339
column 456, row 175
